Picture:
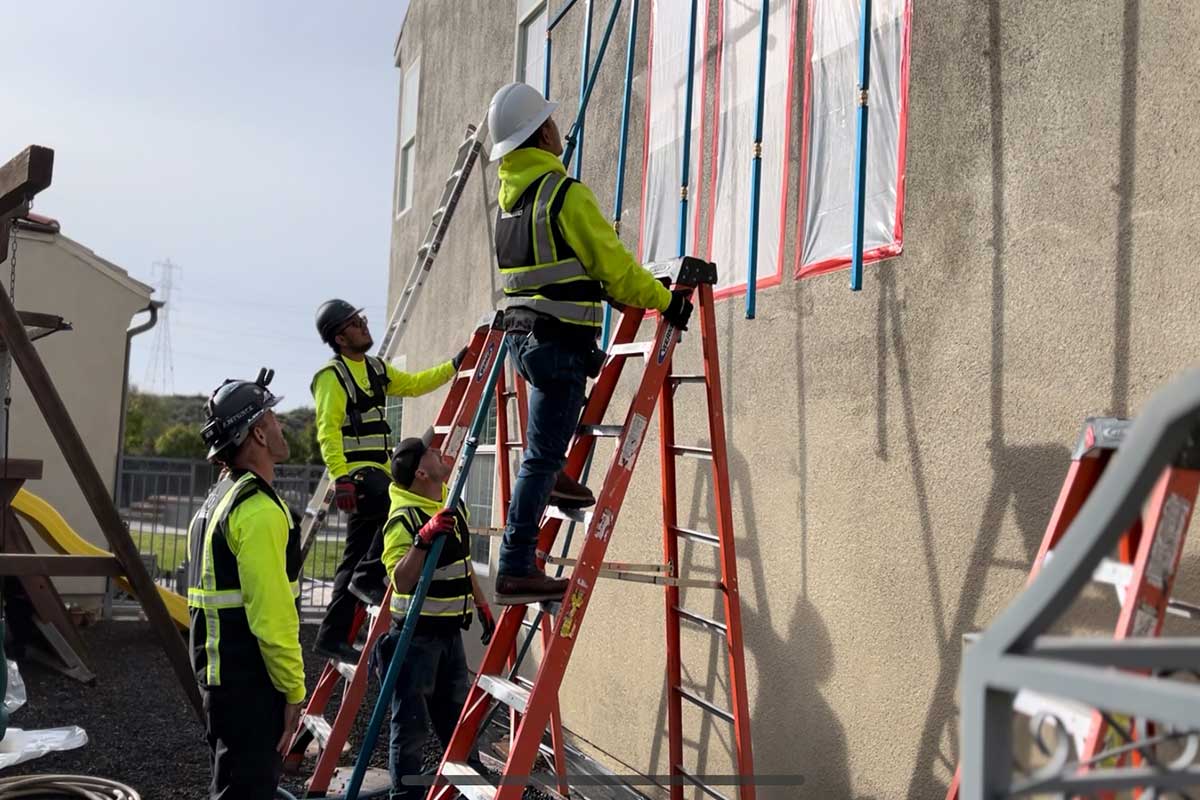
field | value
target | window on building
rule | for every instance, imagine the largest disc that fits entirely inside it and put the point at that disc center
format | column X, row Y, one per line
column 479, row 493
column 410, row 90
column 531, row 43
column 829, row 134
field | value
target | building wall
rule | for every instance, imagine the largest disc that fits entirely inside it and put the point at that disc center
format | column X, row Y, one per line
column 895, row 453
column 57, row 276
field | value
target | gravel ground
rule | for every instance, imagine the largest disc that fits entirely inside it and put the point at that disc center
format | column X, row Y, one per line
column 141, row 731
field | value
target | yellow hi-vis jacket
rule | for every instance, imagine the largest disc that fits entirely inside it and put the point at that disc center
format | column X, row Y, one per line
column 332, row 400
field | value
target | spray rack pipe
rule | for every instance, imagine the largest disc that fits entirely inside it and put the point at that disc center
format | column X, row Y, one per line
column 756, row 162
column 623, row 148
column 860, row 161
column 686, row 166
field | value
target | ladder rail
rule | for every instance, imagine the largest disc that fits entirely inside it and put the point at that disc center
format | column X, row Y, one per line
column 317, row 509
column 670, row 518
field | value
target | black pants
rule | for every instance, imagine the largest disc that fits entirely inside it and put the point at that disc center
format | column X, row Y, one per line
column 244, row 726
column 361, row 559
column 432, row 685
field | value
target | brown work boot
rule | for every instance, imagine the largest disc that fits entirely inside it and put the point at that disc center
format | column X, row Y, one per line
column 518, row 591
column 569, row 493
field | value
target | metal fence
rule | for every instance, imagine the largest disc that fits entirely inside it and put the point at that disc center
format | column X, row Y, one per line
column 157, row 498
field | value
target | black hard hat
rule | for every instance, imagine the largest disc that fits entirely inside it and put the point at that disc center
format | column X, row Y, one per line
column 233, row 409
column 406, row 457
column 331, row 316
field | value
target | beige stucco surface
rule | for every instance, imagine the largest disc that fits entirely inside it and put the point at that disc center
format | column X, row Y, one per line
column 58, row 276
column 895, row 453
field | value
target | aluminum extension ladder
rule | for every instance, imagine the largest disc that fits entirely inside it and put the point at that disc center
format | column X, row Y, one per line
column 464, row 163
column 1142, row 575
column 534, row 703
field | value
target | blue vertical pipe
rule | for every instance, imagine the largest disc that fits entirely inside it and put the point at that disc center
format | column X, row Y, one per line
column 584, row 65
column 546, row 67
column 686, row 166
column 622, row 149
column 860, row 161
column 422, row 587
column 756, row 162
column 570, row 139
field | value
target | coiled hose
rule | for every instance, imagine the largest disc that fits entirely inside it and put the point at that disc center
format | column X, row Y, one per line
column 83, row 786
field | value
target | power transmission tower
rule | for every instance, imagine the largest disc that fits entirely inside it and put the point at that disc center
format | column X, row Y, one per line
column 160, row 372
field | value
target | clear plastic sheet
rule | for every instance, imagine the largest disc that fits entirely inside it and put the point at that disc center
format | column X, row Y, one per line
column 19, row 745
column 14, row 695
column 665, row 105
column 827, row 211
column 737, row 95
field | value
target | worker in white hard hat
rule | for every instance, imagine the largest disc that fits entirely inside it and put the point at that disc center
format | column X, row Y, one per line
column 559, row 259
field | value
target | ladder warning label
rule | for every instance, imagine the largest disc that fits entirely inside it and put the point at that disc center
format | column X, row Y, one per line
column 1167, row 539
column 455, row 441
column 604, row 525
column 633, row 441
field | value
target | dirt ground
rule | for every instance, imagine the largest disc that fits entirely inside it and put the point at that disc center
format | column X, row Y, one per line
column 141, row 731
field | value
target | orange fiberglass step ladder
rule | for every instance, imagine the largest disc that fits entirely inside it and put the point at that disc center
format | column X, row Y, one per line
column 1142, row 575
column 533, row 704
column 450, row 429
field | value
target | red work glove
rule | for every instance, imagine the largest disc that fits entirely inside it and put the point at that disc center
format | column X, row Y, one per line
column 486, row 620
column 346, row 495
column 438, row 526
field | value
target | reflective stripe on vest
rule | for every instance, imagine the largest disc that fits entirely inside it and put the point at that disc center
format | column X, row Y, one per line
column 209, row 597
column 369, row 439
column 444, row 598
column 525, row 286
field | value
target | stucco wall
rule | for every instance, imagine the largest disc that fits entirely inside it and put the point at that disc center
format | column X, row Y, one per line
column 895, row 453
column 86, row 364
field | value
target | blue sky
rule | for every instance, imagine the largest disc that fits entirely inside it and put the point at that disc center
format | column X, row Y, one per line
column 250, row 142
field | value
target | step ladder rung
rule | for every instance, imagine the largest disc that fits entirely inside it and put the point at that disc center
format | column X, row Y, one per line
column 443, row 429
column 508, row 395
column 570, row 514
column 454, row 176
column 319, row 727
column 702, row 621
column 612, row 566
column 639, row 349
column 505, row 691
column 372, row 612
column 603, row 431
column 704, row 787
column 692, row 452
column 470, row 783
column 514, row 445
column 703, row 704
column 346, row 669
column 696, row 536
column 686, row 378
column 439, row 212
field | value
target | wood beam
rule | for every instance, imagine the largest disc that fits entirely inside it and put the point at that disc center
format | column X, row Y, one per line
column 24, row 176
column 44, row 393
column 74, row 566
column 20, row 179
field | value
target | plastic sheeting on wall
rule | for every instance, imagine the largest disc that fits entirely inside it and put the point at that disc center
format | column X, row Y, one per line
column 729, row 220
column 828, row 153
column 665, row 101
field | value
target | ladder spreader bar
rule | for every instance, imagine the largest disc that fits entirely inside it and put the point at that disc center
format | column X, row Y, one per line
column 693, row 452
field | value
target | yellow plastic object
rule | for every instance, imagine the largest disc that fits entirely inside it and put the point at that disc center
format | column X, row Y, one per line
column 58, row 534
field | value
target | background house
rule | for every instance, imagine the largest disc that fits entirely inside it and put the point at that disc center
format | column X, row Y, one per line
column 895, row 453
column 57, row 275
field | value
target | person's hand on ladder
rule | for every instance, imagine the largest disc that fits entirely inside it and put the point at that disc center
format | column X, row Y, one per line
column 680, row 310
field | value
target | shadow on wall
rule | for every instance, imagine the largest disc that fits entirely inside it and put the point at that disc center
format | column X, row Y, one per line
column 1027, row 477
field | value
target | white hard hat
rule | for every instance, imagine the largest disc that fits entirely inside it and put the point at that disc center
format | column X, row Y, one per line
column 517, row 111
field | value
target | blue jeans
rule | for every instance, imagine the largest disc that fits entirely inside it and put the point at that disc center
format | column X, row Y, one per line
column 433, row 681
column 557, row 376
